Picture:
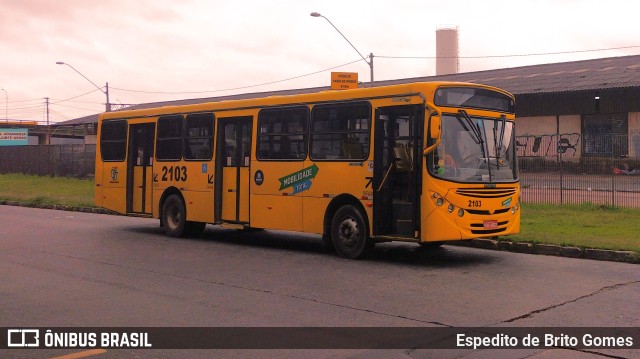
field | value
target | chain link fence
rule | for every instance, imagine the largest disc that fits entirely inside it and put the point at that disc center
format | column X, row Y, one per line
column 554, row 169
column 559, row 169
column 49, row 160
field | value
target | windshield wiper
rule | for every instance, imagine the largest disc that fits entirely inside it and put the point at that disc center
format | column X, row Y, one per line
column 503, row 121
column 499, row 141
column 476, row 136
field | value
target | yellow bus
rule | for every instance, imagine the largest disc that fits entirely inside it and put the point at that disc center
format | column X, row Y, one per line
column 419, row 162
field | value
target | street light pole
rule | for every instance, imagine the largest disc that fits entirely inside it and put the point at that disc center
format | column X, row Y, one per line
column 6, row 106
column 107, row 105
column 370, row 62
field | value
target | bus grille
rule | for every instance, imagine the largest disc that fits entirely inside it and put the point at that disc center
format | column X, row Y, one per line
column 486, row 192
column 488, row 231
column 487, row 213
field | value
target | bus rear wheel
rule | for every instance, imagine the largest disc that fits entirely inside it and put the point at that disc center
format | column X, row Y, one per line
column 349, row 232
column 174, row 216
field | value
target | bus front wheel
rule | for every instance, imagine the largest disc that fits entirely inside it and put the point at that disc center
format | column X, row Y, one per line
column 349, row 232
column 174, row 216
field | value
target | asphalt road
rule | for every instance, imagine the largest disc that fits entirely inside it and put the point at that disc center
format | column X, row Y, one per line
column 68, row 269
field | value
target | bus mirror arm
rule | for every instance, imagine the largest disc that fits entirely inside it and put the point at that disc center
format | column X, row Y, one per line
column 435, row 123
column 430, row 149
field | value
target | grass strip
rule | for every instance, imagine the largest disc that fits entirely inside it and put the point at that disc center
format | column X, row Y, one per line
column 36, row 190
column 584, row 225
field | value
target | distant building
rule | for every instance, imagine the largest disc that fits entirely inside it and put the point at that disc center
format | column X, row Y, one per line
column 587, row 108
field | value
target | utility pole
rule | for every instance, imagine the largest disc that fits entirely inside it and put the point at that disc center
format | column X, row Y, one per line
column 6, row 105
column 46, row 104
column 108, row 104
column 106, row 91
column 370, row 62
column 47, row 139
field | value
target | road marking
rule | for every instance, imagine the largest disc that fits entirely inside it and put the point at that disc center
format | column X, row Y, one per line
column 84, row 354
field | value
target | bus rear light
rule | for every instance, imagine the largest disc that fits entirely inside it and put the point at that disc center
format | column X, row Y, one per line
column 369, row 204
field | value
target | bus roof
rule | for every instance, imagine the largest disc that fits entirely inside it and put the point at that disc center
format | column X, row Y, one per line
column 415, row 88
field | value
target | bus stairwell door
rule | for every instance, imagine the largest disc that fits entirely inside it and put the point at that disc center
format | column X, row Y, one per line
column 396, row 171
column 233, row 161
column 140, row 168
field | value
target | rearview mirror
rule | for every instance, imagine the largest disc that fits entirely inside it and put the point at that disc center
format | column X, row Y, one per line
column 435, row 123
column 434, row 127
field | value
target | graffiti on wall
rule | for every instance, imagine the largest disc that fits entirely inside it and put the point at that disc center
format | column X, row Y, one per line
column 548, row 145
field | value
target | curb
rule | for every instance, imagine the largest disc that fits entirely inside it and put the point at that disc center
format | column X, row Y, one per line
column 553, row 250
column 59, row 207
column 482, row 243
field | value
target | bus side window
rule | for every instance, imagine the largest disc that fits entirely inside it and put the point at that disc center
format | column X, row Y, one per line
column 198, row 140
column 169, row 138
column 282, row 133
column 340, row 131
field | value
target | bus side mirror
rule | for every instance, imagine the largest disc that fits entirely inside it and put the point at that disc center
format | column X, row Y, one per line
column 434, row 134
column 434, row 127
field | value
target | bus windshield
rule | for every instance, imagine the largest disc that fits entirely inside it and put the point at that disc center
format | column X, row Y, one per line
column 475, row 150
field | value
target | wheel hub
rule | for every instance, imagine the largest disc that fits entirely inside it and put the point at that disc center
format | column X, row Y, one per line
column 349, row 232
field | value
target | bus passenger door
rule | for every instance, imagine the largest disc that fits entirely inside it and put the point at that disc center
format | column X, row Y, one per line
column 396, row 171
column 140, row 168
column 233, row 158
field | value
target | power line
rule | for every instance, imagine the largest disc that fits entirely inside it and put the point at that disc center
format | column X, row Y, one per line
column 512, row 55
column 71, row 98
column 237, row 88
column 87, row 102
column 74, row 107
column 28, row 107
column 20, row 101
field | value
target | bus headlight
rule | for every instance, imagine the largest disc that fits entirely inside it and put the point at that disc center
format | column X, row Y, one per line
column 439, row 202
column 450, row 208
column 460, row 212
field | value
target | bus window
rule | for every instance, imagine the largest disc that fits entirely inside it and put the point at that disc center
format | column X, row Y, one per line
column 169, row 143
column 340, row 131
column 198, row 142
column 282, row 133
column 113, row 142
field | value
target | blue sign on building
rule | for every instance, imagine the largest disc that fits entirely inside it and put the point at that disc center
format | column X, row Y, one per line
column 14, row 136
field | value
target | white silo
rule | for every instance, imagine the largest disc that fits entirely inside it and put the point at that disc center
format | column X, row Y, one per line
column 447, row 57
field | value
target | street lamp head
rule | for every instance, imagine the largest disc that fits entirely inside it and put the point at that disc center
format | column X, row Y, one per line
column 59, row 63
column 315, row 14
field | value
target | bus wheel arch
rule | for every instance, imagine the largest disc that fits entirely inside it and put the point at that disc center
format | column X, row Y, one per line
column 173, row 201
column 345, row 214
column 173, row 213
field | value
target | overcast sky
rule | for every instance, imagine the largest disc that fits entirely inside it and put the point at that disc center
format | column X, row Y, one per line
column 199, row 48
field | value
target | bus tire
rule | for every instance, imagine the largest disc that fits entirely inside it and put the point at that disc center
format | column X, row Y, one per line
column 174, row 216
column 349, row 232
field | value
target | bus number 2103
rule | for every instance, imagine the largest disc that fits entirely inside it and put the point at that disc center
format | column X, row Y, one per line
column 475, row 204
column 174, row 173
